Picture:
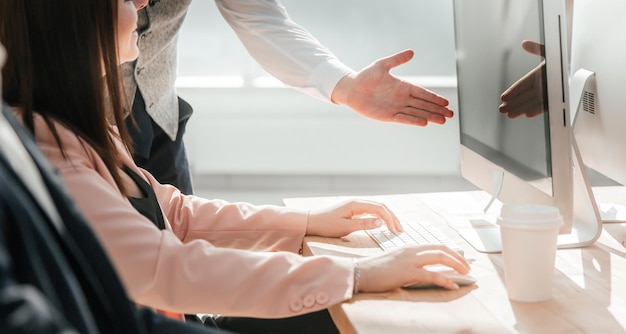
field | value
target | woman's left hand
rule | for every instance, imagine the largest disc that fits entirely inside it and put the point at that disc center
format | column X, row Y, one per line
column 344, row 218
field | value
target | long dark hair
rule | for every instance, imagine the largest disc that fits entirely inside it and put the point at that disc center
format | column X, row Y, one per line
column 57, row 51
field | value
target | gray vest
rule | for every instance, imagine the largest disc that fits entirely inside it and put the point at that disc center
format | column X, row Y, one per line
column 154, row 72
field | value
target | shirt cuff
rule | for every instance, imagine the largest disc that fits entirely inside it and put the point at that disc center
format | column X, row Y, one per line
column 326, row 76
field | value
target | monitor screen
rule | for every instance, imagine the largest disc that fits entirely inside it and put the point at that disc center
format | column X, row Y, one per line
column 491, row 59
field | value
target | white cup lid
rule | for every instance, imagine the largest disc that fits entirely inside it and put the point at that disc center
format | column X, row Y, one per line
column 530, row 216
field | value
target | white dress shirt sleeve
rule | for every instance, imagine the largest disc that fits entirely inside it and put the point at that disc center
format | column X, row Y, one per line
column 282, row 47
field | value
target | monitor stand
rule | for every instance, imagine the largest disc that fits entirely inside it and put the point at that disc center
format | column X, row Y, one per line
column 582, row 83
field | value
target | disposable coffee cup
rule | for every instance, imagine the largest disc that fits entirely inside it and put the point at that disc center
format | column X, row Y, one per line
column 529, row 242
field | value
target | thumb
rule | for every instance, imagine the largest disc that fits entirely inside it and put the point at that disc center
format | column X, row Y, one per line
column 397, row 59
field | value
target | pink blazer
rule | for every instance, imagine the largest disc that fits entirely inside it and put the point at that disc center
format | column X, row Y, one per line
column 234, row 259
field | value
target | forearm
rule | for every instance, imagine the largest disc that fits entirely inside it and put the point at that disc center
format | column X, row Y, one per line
column 231, row 225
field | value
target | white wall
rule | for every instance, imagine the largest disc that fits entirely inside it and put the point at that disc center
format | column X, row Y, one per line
column 281, row 131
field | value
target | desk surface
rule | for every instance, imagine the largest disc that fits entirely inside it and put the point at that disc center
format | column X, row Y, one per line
column 589, row 290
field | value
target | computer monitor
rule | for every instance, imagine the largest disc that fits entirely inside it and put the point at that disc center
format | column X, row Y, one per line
column 525, row 160
column 598, row 90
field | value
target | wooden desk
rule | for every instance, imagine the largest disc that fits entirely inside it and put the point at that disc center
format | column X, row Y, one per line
column 589, row 290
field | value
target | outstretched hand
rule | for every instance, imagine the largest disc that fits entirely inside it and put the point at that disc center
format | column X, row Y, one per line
column 344, row 218
column 375, row 93
column 526, row 95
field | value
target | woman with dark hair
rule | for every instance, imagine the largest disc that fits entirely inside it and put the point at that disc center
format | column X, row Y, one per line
column 176, row 252
column 48, row 283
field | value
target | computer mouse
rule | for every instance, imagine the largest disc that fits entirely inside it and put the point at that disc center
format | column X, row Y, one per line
column 459, row 279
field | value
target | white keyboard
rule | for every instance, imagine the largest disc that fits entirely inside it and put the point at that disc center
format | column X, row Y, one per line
column 415, row 233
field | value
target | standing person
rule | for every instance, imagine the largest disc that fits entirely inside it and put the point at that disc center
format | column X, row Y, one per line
column 54, row 275
column 284, row 49
column 178, row 252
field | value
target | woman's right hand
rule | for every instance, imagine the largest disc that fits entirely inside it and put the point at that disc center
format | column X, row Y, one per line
column 404, row 266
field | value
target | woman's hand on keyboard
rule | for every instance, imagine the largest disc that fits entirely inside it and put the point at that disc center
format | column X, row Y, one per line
column 344, row 218
column 404, row 266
